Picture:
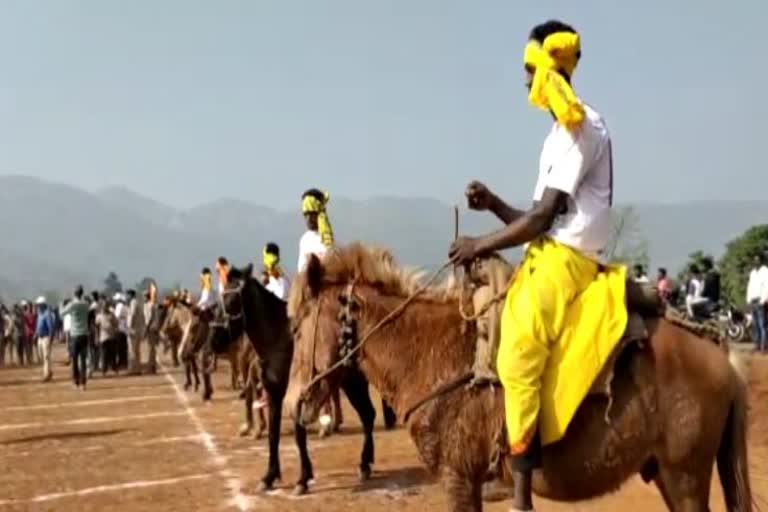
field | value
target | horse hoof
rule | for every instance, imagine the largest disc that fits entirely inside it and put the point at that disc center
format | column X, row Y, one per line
column 300, row 489
column 259, row 433
column 264, row 487
column 323, row 433
column 364, row 474
column 187, row 386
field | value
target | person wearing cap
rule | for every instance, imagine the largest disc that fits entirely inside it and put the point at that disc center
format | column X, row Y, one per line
column 44, row 335
column 79, row 309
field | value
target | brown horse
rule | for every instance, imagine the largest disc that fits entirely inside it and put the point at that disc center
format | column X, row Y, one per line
column 678, row 403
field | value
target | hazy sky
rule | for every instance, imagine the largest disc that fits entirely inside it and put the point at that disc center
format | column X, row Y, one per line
column 192, row 100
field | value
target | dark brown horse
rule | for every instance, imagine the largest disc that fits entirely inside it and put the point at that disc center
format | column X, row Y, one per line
column 251, row 308
column 678, row 402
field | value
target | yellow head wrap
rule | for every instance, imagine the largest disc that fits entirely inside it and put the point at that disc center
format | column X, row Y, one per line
column 206, row 281
column 271, row 263
column 310, row 204
column 549, row 89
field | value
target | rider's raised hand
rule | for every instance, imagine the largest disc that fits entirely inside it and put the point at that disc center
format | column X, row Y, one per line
column 478, row 196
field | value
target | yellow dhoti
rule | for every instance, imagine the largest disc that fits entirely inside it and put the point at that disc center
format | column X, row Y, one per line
column 563, row 317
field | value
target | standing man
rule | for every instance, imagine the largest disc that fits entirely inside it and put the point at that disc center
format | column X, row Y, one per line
column 121, row 313
column 44, row 331
column 151, row 314
column 757, row 298
column 107, row 327
column 136, row 326
column 565, row 233
column 663, row 286
column 78, row 309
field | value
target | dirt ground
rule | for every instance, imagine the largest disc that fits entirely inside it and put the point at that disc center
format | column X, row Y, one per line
column 142, row 443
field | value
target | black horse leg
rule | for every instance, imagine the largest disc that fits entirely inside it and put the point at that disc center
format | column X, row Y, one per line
column 196, row 373
column 307, row 474
column 273, row 466
column 188, row 372
column 207, row 387
column 355, row 386
column 390, row 418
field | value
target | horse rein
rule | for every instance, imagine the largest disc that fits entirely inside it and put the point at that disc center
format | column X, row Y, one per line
column 350, row 335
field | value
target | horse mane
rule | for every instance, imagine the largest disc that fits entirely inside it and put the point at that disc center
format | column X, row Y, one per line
column 246, row 275
column 369, row 266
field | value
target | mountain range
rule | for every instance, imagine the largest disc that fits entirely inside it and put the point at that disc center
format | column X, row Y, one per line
column 53, row 236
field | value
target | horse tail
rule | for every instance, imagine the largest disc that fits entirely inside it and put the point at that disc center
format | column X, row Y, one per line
column 732, row 463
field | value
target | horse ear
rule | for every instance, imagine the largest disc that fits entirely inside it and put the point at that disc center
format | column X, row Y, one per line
column 248, row 270
column 314, row 272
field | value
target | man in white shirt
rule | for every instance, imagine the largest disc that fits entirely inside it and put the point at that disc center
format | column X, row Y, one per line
column 757, row 298
column 121, row 312
column 693, row 293
column 319, row 235
column 565, row 231
column 207, row 295
column 272, row 277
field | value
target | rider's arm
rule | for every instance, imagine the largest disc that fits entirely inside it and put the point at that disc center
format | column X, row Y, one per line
column 503, row 211
column 528, row 226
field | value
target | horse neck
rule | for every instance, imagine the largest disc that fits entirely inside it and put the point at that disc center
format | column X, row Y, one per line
column 421, row 348
column 265, row 319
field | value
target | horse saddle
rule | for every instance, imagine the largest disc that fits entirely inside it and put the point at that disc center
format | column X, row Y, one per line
column 489, row 278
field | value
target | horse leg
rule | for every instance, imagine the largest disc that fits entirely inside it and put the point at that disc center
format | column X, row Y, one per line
column 338, row 417
column 390, row 418
column 247, row 427
column 356, row 388
column 188, row 373
column 273, row 466
column 685, row 490
column 233, row 367
column 307, row 474
column 196, row 374
column 464, row 495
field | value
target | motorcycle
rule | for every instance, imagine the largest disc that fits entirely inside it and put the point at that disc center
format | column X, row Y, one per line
column 731, row 321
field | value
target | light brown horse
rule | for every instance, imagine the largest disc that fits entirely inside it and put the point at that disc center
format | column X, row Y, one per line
column 678, row 402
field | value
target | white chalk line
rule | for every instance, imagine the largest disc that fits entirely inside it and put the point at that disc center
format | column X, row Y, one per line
column 87, row 403
column 105, row 488
column 89, row 421
column 235, row 486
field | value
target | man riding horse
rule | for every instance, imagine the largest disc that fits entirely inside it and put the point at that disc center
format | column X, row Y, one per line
column 565, row 230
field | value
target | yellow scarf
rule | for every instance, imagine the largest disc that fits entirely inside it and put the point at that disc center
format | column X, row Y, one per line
column 550, row 90
column 311, row 204
column 272, row 264
column 206, row 282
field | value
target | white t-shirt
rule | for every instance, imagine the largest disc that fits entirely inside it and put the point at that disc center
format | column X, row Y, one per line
column 310, row 243
column 757, row 287
column 279, row 286
column 121, row 312
column 580, row 165
column 207, row 299
column 67, row 321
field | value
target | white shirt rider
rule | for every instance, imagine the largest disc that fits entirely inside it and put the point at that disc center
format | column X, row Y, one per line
column 580, row 164
column 279, row 286
column 310, row 243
